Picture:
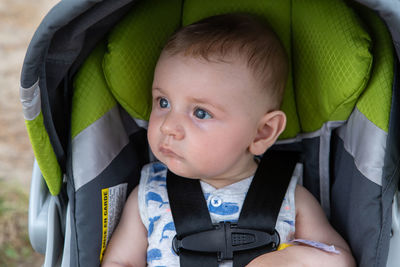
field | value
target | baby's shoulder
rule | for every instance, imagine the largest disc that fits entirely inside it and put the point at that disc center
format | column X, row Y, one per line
column 305, row 201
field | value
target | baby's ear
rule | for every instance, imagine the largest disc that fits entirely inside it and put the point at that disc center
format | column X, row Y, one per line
column 270, row 126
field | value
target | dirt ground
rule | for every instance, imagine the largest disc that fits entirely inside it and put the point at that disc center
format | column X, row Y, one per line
column 18, row 21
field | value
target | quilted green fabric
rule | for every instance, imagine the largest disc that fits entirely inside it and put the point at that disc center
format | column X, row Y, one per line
column 92, row 98
column 375, row 102
column 332, row 61
column 133, row 49
column 44, row 154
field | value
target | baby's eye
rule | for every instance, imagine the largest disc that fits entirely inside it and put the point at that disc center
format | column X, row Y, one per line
column 202, row 114
column 163, row 102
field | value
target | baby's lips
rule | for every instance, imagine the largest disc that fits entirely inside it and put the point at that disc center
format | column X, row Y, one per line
column 168, row 152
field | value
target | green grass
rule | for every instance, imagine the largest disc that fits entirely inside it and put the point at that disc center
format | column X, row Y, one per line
column 15, row 248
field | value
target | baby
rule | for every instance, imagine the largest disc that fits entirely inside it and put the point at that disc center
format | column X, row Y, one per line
column 217, row 89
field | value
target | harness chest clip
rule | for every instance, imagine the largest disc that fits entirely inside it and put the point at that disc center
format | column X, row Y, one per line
column 225, row 239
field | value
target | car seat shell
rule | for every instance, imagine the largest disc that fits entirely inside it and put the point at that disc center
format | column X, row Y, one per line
column 63, row 30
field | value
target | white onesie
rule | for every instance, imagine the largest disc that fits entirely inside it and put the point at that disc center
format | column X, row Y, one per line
column 224, row 204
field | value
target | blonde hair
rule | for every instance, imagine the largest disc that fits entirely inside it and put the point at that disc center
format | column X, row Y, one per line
column 218, row 37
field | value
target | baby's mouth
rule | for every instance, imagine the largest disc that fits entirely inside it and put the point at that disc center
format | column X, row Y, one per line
column 168, row 152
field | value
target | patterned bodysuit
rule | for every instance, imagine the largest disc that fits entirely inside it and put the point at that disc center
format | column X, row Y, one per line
column 224, row 204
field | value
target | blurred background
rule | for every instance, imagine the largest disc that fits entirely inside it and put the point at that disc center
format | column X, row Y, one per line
column 18, row 21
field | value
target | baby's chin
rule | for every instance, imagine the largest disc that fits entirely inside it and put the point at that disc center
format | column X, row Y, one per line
column 182, row 167
column 179, row 171
column 183, row 174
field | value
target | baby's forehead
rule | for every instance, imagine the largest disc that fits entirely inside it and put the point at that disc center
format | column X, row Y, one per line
column 232, row 57
column 215, row 61
column 228, row 71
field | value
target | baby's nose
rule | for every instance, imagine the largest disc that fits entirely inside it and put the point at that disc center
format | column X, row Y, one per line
column 172, row 127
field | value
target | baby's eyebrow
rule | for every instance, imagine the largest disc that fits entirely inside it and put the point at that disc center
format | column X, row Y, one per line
column 206, row 101
column 156, row 89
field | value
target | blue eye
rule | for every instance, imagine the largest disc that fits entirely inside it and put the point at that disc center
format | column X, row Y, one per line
column 202, row 114
column 163, row 102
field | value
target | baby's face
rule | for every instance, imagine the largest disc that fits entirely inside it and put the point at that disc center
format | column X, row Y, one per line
column 204, row 117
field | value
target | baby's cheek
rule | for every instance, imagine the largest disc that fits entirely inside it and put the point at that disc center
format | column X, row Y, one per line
column 208, row 151
column 152, row 137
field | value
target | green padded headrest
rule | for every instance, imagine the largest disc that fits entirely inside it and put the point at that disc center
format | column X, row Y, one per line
column 331, row 61
column 133, row 48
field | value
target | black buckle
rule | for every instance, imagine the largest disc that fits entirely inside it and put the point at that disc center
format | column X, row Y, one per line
column 225, row 239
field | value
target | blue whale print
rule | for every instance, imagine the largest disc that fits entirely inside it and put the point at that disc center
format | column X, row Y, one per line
column 151, row 225
column 157, row 178
column 158, row 167
column 168, row 227
column 289, row 222
column 154, row 197
column 226, row 208
column 153, row 254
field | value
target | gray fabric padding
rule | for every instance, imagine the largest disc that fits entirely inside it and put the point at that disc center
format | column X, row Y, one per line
column 130, row 124
column 356, row 209
column 88, row 233
column 321, row 156
column 311, row 166
column 74, row 260
column 324, row 163
column 68, row 31
column 299, row 137
column 95, row 147
column 66, row 259
column 57, row 27
column 391, row 171
column 360, row 208
column 30, row 99
column 389, row 11
column 309, row 149
column 366, row 143
column 392, row 156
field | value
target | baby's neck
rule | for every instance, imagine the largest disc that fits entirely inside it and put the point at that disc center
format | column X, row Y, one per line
column 223, row 182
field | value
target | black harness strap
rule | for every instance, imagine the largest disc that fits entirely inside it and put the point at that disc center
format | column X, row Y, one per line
column 200, row 243
column 264, row 199
column 190, row 214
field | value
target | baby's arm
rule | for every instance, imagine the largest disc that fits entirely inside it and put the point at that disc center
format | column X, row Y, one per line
column 128, row 244
column 311, row 224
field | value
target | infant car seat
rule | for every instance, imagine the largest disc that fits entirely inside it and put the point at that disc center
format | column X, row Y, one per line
column 85, row 90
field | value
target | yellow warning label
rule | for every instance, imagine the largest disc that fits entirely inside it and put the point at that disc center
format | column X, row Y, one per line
column 105, row 199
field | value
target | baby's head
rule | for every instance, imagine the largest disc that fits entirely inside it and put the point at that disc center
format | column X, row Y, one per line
column 217, row 89
column 236, row 37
